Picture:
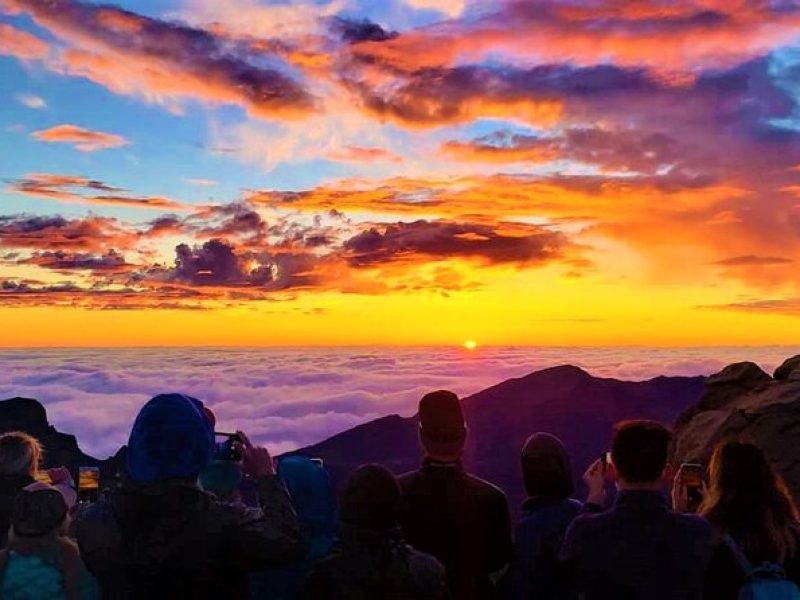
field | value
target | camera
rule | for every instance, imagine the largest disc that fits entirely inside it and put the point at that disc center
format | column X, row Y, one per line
column 229, row 449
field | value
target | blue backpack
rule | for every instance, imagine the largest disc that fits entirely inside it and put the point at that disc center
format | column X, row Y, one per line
column 765, row 582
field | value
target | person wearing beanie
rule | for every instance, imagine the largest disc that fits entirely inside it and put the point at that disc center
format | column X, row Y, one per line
column 40, row 562
column 372, row 560
column 460, row 519
column 159, row 535
column 548, row 511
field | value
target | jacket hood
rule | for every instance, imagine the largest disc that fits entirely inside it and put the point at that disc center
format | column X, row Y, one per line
column 313, row 498
column 171, row 439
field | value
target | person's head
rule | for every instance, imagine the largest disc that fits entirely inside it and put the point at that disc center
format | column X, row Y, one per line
column 371, row 500
column 747, row 499
column 20, row 454
column 39, row 510
column 442, row 430
column 546, row 468
column 170, row 439
column 639, row 454
column 310, row 488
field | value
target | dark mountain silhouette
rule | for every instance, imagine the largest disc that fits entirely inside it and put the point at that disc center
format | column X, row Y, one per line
column 566, row 401
column 28, row 415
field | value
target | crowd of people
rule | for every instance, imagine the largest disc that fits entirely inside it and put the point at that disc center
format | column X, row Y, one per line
column 193, row 518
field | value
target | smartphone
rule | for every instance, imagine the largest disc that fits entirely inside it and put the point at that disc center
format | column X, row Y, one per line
column 229, row 449
column 43, row 476
column 88, row 484
column 693, row 475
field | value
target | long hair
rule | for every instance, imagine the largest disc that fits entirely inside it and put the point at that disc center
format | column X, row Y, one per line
column 750, row 502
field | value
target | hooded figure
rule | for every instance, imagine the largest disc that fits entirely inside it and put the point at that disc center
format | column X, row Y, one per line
column 372, row 560
column 39, row 562
column 549, row 510
column 160, row 536
column 313, row 499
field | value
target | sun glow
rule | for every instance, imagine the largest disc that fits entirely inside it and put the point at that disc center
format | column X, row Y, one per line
column 470, row 345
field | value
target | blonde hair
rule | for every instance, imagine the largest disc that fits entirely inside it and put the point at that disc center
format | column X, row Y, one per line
column 20, row 453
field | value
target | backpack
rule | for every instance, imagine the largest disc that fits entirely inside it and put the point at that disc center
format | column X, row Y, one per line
column 765, row 582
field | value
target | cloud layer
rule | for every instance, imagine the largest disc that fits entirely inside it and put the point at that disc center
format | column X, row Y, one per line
column 292, row 397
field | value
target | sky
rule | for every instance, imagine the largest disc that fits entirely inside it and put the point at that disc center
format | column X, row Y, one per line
column 403, row 172
column 290, row 398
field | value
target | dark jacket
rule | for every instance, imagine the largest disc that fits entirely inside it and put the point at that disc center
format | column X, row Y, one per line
column 370, row 566
column 461, row 520
column 172, row 540
column 725, row 577
column 538, row 538
column 10, row 485
column 638, row 550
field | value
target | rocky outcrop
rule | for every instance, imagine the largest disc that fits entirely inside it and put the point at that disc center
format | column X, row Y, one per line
column 742, row 401
column 28, row 415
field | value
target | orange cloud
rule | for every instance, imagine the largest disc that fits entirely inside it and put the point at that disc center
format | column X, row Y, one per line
column 168, row 62
column 85, row 140
column 676, row 38
column 364, row 154
column 60, row 187
column 21, row 44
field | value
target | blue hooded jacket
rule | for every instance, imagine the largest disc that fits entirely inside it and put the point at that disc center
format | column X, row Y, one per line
column 171, row 439
column 314, row 501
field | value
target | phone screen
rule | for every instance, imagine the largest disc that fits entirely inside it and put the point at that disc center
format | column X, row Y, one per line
column 693, row 475
column 88, row 483
column 43, row 476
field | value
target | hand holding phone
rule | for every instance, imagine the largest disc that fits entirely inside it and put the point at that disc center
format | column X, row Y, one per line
column 595, row 480
column 688, row 488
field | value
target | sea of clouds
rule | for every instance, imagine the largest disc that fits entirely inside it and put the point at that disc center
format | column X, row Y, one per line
column 288, row 398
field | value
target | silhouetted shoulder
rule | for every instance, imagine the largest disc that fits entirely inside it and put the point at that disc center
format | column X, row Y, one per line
column 695, row 525
column 484, row 488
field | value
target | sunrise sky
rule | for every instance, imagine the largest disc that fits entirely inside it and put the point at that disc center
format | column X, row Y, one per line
column 410, row 172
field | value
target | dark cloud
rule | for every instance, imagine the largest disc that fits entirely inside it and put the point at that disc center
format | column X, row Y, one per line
column 431, row 97
column 354, row 31
column 621, row 150
column 236, row 219
column 59, row 260
column 442, row 240
column 90, row 233
column 751, row 260
column 218, row 263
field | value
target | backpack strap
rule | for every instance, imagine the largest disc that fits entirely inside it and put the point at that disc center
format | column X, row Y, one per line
column 738, row 554
column 69, row 563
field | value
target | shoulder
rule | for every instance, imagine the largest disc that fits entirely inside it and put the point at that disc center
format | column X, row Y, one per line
column 587, row 524
column 410, row 478
column 424, row 562
column 483, row 488
column 693, row 524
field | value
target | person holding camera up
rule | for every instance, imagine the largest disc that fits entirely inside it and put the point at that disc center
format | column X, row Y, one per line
column 160, row 536
column 639, row 549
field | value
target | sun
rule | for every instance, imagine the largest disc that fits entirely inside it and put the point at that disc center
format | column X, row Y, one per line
column 470, row 344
